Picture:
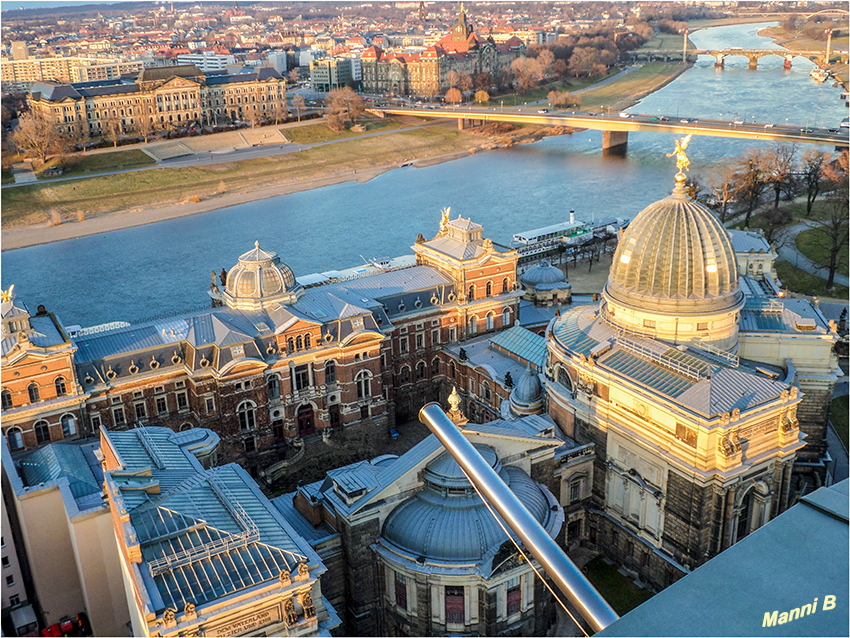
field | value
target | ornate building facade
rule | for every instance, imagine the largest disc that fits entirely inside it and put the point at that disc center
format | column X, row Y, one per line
column 164, row 97
column 426, row 73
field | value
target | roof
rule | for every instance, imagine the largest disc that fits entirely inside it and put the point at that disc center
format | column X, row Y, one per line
column 743, row 241
column 59, row 460
column 165, row 72
column 522, row 344
column 799, row 556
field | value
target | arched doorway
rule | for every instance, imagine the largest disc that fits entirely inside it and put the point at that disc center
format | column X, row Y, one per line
column 306, row 422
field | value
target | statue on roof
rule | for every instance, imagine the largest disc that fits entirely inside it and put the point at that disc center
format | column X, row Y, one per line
column 682, row 161
column 445, row 220
column 8, row 295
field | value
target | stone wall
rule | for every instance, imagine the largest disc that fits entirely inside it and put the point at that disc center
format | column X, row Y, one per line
column 361, row 577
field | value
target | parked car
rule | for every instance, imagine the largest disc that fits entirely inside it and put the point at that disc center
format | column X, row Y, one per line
column 542, row 110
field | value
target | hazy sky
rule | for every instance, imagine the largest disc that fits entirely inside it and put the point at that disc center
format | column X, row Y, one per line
column 40, row 4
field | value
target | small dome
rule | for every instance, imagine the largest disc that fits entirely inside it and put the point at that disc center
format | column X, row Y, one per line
column 542, row 273
column 258, row 278
column 527, row 395
column 674, row 257
column 446, row 522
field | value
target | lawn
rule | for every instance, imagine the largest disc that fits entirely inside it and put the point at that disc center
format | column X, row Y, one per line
column 620, row 592
column 319, row 132
column 665, row 42
column 97, row 163
column 7, row 177
column 798, row 280
column 542, row 93
column 812, row 244
column 626, row 91
column 838, row 414
column 33, row 204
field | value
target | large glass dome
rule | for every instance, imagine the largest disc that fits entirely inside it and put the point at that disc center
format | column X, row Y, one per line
column 260, row 278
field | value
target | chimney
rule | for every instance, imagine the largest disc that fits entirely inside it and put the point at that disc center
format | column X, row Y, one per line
column 572, row 217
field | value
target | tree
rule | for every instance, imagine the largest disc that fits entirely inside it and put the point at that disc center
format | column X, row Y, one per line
column 36, row 135
column 344, row 102
column 464, row 83
column 482, row 96
column 814, row 162
column 111, row 127
column 751, row 181
column 779, row 164
column 833, row 235
column 482, row 80
column 724, row 188
column 293, row 76
column 526, row 73
column 560, row 68
column 146, row 122
column 453, row 96
column 298, row 106
column 546, row 61
column 452, row 79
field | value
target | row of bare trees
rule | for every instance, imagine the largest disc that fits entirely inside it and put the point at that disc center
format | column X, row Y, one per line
column 767, row 176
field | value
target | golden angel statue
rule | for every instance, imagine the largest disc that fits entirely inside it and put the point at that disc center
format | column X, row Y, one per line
column 682, row 161
column 7, row 295
column 445, row 220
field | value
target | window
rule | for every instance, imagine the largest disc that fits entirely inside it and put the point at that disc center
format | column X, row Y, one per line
column 506, row 317
column 403, row 344
column 401, row 591
column 490, row 321
column 299, row 343
column 118, row 416
column 250, row 444
column 245, row 413
column 489, row 289
column 273, row 385
column 5, row 561
column 33, row 391
column 95, row 421
column 514, row 596
column 161, row 405
column 452, row 369
column 505, row 284
column 648, row 323
column 210, row 405
column 452, row 335
column 686, row 435
column 435, row 337
column 435, row 367
column 301, row 377
column 290, row 345
column 702, row 325
column 141, row 411
column 7, row 398
column 60, row 386
column 454, row 604
column 330, row 372
column 182, row 401
column 575, row 491
column 69, row 425
column 471, row 292
column 364, row 382
column 307, row 341
column 180, row 384
column 364, row 412
column 42, row 432
column 16, row 439
column 14, row 599
column 420, row 341
column 10, row 581
column 485, row 391
column 473, row 325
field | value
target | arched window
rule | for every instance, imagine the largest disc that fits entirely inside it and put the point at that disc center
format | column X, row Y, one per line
column 404, row 375
column 490, row 320
column 299, row 343
column 273, row 384
column 290, row 345
column 452, row 369
column 245, row 411
column 420, row 370
column 473, row 325
column 330, row 372
column 489, row 288
column 564, row 378
column 435, row 366
column 506, row 317
column 307, row 341
column 485, row 391
column 7, row 398
column 505, row 285
column 42, row 432
column 69, row 425
column 60, row 386
column 471, row 292
column 16, row 439
column 364, row 384
column 33, row 390
column 186, row 426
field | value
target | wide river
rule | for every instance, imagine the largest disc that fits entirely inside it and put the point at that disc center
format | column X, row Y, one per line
column 165, row 267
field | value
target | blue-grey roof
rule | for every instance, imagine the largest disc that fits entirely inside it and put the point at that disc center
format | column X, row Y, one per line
column 571, row 336
column 743, row 241
column 110, row 90
column 523, row 344
column 800, row 556
column 313, row 535
column 59, row 460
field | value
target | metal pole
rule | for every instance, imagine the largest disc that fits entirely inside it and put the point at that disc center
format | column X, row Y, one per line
column 567, row 577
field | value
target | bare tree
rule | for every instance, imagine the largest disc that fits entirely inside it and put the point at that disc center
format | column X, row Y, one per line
column 526, row 73
column 465, row 83
column 111, row 127
column 483, row 80
column 814, row 162
column 298, row 106
column 146, row 122
column 724, row 188
column 344, row 102
column 546, row 60
column 833, row 235
column 36, row 135
column 293, row 76
column 452, row 79
column 779, row 165
column 751, row 181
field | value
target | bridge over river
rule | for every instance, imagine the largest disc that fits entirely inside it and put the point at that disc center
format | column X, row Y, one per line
column 753, row 55
column 616, row 128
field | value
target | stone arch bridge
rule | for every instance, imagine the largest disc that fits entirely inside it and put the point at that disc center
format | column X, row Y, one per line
column 754, row 55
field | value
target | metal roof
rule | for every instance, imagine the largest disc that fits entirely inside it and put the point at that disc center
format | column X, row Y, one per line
column 59, row 460
column 523, row 343
column 743, row 241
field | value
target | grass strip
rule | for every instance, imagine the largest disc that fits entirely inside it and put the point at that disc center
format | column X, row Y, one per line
column 97, row 163
column 627, row 90
column 838, row 415
column 319, row 132
column 811, row 243
column 800, row 281
column 620, row 591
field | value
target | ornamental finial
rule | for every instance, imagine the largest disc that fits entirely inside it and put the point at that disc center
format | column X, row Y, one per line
column 682, row 161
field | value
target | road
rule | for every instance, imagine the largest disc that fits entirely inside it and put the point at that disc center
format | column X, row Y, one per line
column 789, row 253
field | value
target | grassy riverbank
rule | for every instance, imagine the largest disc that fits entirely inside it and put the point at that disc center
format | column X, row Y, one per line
column 631, row 88
column 39, row 203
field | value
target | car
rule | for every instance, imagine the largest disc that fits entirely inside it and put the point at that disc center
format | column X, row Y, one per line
column 624, row 114
column 542, row 110
column 807, row 130
column 739, row 121
column 832, row 130
column 665, row 119
column 654, row 119
column 685, row 121
column 768, row 126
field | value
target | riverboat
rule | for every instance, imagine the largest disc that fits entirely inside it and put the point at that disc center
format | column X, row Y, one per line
column 819, row 75
column 571, row 232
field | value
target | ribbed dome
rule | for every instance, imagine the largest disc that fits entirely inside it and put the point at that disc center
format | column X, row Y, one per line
column 442, row 523
column 673, row 253
column 542, row 273
column 527, row 395
column 259, row 277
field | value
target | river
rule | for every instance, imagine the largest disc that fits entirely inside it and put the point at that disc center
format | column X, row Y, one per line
column 165, row 267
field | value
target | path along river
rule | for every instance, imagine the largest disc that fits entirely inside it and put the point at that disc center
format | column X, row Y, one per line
column 165, row 267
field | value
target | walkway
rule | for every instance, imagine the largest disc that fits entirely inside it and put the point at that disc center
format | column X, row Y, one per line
column 789, row 253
